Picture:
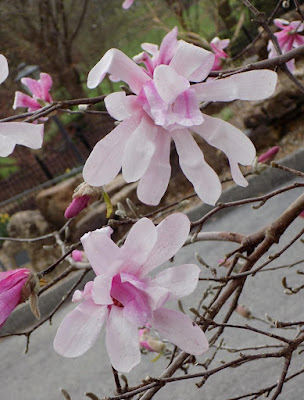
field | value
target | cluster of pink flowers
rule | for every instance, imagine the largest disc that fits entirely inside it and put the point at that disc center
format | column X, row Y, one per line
column 12, row 133
column 124, row 296
column 166, row 106
column 288, row 38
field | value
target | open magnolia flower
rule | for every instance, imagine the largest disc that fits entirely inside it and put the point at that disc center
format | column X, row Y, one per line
column 218, row 46
column 40, row 90
column 125, row 297
column 166, row 106
column 12, row 133
column 288, row 38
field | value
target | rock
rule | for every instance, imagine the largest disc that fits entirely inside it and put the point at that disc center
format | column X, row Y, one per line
column 29, row 224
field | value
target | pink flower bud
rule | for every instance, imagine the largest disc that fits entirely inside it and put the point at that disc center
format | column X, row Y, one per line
column 269, row 156
column 243, row 311
column 77, row 255
column 301, row 214
column 16, row 286
column 77, row 205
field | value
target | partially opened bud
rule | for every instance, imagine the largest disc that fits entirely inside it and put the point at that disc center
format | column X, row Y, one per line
column 77, row 205
column 269, row 156
column 17, row 286
column 83, row 196
column 150, row 343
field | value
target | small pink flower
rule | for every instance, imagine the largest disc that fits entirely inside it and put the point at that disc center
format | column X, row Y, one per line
column 218, row 46
column 40, row 93
column 124, row 296
column 166, row 106
column 269, row 155
column 76, row 206
column 12, row 133
column 11, row 287
column 127, row 4
column 288, row 38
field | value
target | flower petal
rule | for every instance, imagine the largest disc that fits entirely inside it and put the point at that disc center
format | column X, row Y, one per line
column 172, row 233
column 199, row 67
column 103, row 254
column 80, row 329
column 251, row 85
column 227, row 138
column 236, row 174
column 3, row 68
column 139, row 150
column 154, row 182
column 180, row 330
column 191, row 159
column 26, row 134
column 138, row 245
column 101, row 290
column 46, row 84
column 104, row 162
column 167, row 47
column 33, row 86
column 121, row 66
column 122, row 341
column 24, row 100
column 180, row 280
column 120, row 106
column 169, row 83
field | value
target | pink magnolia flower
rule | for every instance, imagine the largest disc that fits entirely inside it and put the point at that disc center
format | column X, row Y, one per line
column 12, row 133
column 165, row 106
column 11, row 286
column 40, row 93
column 125, row 297
column 288, row 38
column 127, row 4
column 218, row 46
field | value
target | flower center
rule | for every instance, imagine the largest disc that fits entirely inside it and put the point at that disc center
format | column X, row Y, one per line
column 116, row 302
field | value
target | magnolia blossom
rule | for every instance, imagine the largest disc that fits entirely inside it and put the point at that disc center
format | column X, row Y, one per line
column 12, row 285
column 40, row 93
column 76, row 206
column 218, row 46
column 127, row 4
column 269, row 155
column 12, row 133
column 125, row 297
column 288, row 38
column 165, row 106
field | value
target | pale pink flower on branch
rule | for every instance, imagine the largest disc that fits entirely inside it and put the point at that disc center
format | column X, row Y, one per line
column 288, row 38
column 165, row 106
column 11, row 286
column 217, row 47
column 127, row 4
column 40, row 90
column 125, row 297
column 12, row 133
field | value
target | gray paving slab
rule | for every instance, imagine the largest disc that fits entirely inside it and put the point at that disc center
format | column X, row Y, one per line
column 39, row 374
